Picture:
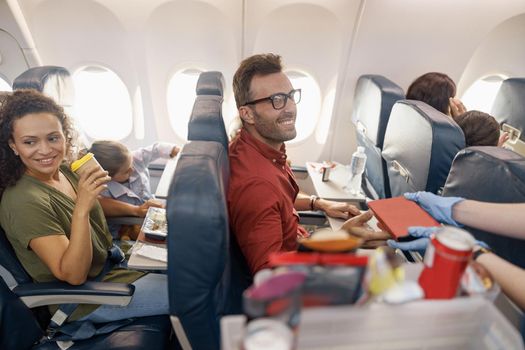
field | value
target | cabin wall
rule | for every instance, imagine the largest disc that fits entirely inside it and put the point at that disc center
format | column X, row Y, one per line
column 12, row 56
column 497, row 55
column 404, row 39
column 333, row 41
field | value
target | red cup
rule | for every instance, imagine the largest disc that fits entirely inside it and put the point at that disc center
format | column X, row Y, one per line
column 445, row 261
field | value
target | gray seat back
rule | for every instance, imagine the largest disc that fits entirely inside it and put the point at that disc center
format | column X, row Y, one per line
column 206, row 122
column 13, row 269
column 210, row 83
column 53, row 81
column 374, row 98
column 201, row 268
column 490, row 174
column 420, row 144
column 509, row 105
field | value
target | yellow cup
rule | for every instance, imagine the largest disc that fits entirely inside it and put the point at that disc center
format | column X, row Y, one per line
column 86, row 163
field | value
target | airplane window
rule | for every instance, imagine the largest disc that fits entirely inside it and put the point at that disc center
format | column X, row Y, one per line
column 482, row 93
column 181, row 96
column 309, row 108
column 4, row 85
column 102, row 103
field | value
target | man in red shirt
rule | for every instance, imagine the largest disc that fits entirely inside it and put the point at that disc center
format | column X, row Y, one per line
column 263, row 197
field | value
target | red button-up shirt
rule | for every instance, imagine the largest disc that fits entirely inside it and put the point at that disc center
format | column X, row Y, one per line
column 261, row 200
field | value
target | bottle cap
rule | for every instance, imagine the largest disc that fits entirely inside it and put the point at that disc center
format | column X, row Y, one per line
column 78, row 163
column 361, row 149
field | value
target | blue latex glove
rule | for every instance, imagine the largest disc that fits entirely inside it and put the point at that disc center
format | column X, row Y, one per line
column 421, row 243
column 440, row 208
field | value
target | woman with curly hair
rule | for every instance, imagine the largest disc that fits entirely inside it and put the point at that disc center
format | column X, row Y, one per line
column 51, row 217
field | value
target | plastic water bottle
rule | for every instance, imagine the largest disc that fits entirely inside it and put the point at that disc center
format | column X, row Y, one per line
column 357, row 168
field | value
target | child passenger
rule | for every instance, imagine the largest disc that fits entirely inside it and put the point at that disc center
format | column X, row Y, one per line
column 130, row 179
column 480, row 129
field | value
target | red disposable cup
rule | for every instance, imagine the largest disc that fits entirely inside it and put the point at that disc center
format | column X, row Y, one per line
column 445, row 261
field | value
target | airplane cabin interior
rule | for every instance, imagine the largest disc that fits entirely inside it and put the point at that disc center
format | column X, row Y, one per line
column 156, row 77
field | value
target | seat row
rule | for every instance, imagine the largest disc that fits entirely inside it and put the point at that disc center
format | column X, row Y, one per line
column 199, row 247
column 411, row 146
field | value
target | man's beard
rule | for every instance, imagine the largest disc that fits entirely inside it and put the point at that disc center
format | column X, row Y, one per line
column 271, row 131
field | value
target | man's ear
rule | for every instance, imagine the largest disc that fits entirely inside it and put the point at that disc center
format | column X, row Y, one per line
column 246, row 114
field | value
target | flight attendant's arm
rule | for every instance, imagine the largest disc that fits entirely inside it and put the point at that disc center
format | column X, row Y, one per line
column 501, row 218
column 510, row 277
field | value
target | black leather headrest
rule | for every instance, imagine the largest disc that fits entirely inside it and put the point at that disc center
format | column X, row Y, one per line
column 420, row 144
column 53, row 81
column 210, row 83
column 509, row 105
column 198, row 241
column 490, row 174
column 206, row 122
column 373, row 100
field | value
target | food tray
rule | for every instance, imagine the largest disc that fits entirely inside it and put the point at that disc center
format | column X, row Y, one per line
column 155, row 225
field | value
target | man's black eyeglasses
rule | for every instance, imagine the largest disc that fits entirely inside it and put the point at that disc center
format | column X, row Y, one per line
column 279, row 99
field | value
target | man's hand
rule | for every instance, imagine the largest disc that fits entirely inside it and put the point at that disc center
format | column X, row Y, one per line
column 456, row 107
column 357, row 226
column 339, row 210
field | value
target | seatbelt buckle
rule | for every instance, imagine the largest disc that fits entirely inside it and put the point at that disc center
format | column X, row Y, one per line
column 58, row 318
column 56, row 321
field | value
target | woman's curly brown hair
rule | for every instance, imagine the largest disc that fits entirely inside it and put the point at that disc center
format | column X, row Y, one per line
column 15, row 106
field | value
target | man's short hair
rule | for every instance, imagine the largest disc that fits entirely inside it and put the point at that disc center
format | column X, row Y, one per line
column 480, row 129
column 261, row 64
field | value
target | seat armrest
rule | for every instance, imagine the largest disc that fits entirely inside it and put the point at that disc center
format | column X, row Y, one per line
column 125, row 220
column 49, row 293
column 312, row 217
column 299, row 172
column 157, row 166
column 298, row 169
column 311, row 214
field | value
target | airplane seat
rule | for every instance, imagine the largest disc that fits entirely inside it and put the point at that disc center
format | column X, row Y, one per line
column 509, row 111
column 203, row 271
column 210, row 83
column 22, row 302
column 420, row 144
column 53, row 81
column 490, row 174
column 206, row 122
column 374, row 98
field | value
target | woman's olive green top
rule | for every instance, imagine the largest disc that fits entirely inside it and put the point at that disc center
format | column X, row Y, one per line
column 32, row 209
